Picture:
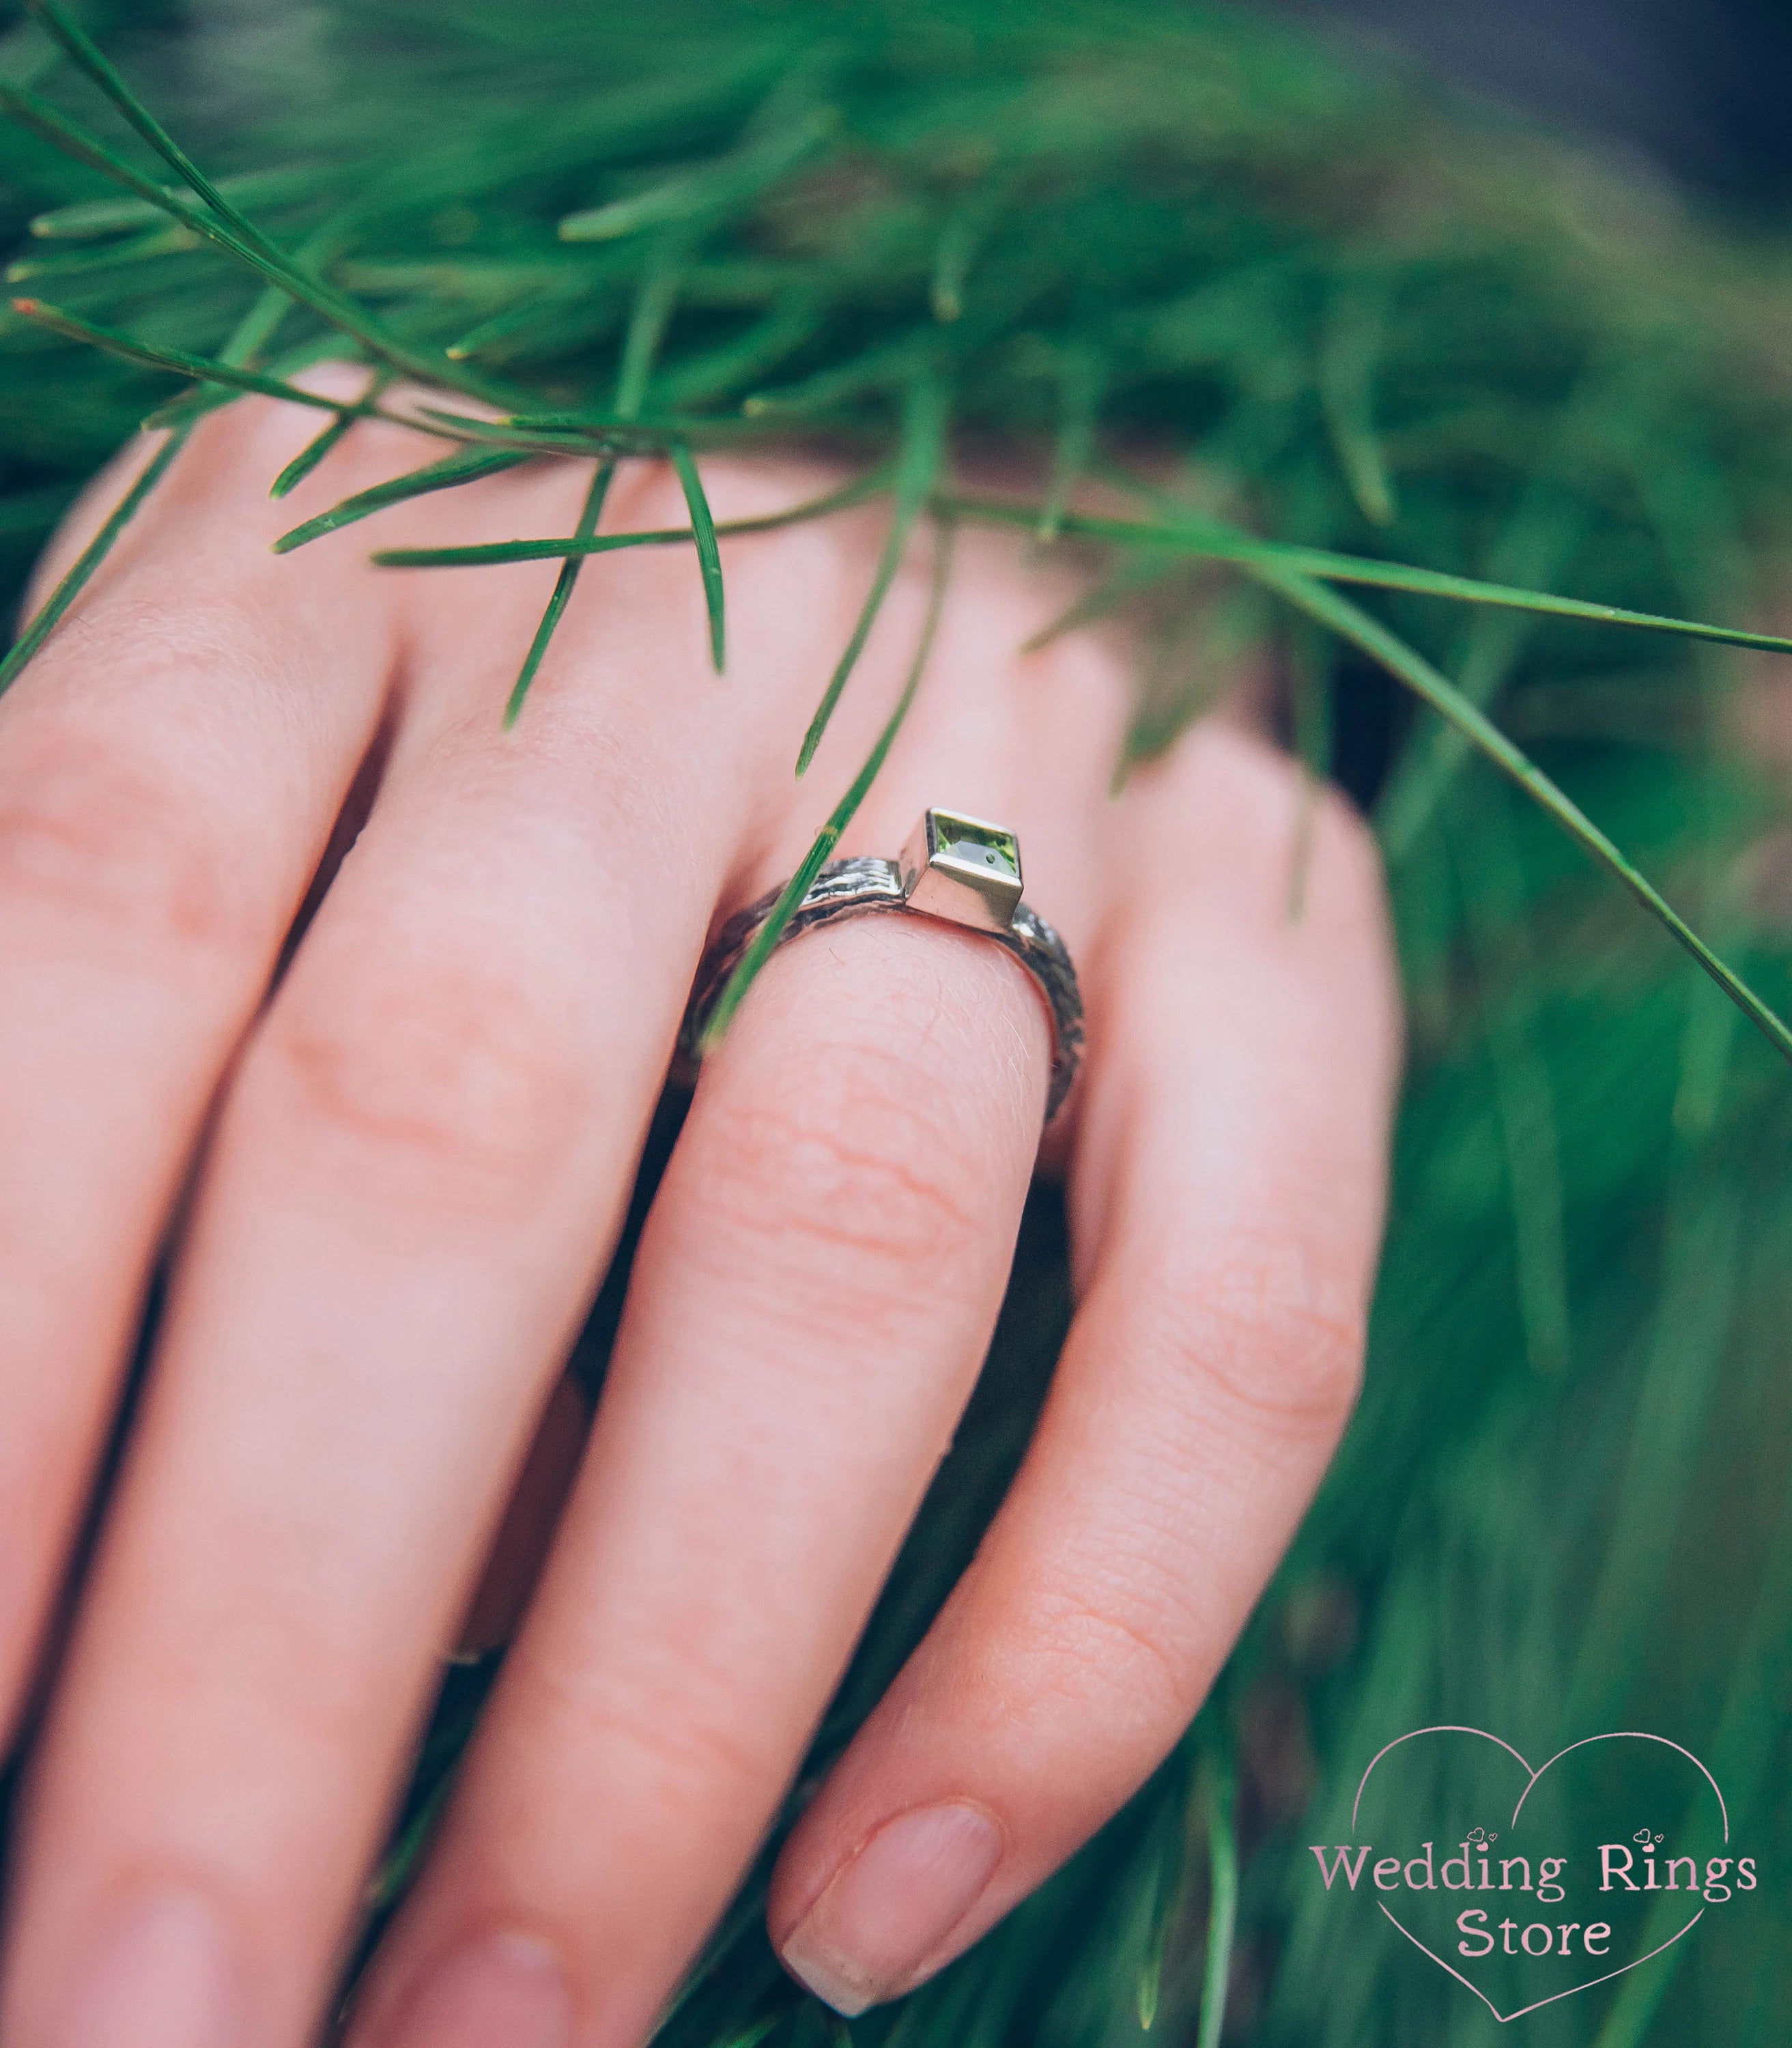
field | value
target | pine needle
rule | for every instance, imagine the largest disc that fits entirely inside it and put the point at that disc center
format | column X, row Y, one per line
column 924, row 427
column 1084, row 382
column 253, row 332
column 1211, row 542
column 36, row 114
column 481, row 554
column 57, row 22
column 702, row 533
column 765, row 939
column 451, row 472
column 77, row 577
column 205, row 369
column 317, row 450
column 1351, row 623
column 563, row 584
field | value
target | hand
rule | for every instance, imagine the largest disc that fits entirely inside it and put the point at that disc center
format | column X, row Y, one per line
column 396, row 1103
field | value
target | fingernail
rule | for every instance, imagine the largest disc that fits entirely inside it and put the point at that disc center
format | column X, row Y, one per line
column 160, row 1974
column 506, row 1991
column 886, row 1912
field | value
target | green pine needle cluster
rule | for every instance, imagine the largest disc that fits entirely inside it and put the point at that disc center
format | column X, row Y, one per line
column 1324, row 334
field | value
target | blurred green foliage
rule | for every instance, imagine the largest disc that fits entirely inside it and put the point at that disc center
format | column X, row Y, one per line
column 1318, row 299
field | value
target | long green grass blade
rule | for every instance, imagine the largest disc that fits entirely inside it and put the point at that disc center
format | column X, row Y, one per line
column 797, row 887
column 1481, row 850
column 1167, row 1888
column 563, row 584
column 703, row 532
column 446, row 475
column 484, row 554
column 924, row 431
column 1214, row 542
column 1350, row 623
column 206, row 369
column 1540, row 543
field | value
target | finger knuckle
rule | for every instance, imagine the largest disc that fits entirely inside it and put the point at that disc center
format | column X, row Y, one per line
column 464, row 1083
column 853, row 1156
column 1281, row 1349
column 1224, row 786
column 665, row 1731
column 106, row 836
column 1101, row 1647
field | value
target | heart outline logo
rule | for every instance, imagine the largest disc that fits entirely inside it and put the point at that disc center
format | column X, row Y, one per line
column 1612, row 1735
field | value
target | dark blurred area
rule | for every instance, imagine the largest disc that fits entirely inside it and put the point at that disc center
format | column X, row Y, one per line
column 1701, row 86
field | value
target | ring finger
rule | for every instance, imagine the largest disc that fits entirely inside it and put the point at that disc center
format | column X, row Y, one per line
column 813, row 1295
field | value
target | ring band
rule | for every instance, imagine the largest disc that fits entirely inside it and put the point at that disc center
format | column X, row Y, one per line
column 960, row 869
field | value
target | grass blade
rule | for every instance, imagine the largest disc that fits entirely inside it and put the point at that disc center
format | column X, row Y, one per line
column 1479, row 847
column 924, row 431
column 486, row 553
column 1540, row 543
column 703, row 532
column 1350, row 623
column 444, row 475
column 620, row 439
column 205, row 369
column 568, row 575
column 493, row 554
column 1348, row 358
column 772, row 930
column 1222, row 1914
column 1215, row 542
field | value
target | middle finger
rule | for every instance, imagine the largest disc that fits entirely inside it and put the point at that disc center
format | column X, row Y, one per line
column 415, row 1180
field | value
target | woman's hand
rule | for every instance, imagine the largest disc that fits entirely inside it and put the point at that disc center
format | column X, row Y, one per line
column 399, row 1146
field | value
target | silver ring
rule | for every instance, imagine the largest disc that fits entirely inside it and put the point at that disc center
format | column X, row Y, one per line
column 962, row 870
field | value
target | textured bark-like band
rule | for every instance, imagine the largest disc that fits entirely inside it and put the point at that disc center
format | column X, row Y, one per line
column 852, row 889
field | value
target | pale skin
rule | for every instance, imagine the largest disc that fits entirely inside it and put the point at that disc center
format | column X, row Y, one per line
column 395, row 1170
